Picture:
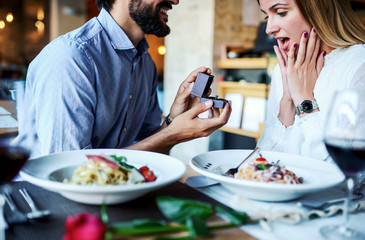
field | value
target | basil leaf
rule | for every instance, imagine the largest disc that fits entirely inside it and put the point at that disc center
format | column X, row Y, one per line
column 197, row 226
column 260, row 166
column 180, row 210
column 122, row 161
column 237, row 218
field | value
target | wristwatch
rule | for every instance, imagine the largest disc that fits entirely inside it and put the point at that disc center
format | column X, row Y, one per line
column 307, row 106
column 168, row 120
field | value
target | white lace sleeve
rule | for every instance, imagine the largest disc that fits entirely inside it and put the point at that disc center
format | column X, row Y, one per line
column 358, row 81
column 274, row 130
column 311, row 127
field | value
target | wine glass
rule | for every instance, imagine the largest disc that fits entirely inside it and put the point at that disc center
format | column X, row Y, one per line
column 13, row 153
column 344, row 137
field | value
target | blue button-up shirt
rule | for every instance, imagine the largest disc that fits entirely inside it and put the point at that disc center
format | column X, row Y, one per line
column 91, row 88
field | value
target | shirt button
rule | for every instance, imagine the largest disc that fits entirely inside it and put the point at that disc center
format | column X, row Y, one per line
column 125, row 129
column 130, row 96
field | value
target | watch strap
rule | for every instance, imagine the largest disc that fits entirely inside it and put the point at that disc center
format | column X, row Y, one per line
column 168, row 120
column 299, row 109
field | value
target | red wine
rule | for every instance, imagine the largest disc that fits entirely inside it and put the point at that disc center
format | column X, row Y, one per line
column 348, row 154
column 12, row 159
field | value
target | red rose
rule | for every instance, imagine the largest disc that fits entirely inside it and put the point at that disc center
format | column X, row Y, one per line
column 84, row 226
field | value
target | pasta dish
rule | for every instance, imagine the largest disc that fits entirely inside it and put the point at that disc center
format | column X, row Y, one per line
column 102, row 170
column 261, row 170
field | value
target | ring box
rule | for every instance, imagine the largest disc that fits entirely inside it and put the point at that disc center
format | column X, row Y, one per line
column 201, row 88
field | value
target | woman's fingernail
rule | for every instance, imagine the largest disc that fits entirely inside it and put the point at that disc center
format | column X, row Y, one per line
column 295, row 45
column 324, row 53
column 305, row 35
column 191, row 85
column 314, row 30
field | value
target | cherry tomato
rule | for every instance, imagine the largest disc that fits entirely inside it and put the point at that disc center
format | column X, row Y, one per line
column 144, row 168
column 261, row 159
column 148, row 175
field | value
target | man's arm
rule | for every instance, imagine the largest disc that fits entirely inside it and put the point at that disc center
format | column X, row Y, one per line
column 184, row 127
column 186, row 124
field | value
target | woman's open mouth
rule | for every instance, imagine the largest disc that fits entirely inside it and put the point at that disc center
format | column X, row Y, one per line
column 284, row 43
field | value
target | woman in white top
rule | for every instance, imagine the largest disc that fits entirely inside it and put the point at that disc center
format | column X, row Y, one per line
column 320, row 50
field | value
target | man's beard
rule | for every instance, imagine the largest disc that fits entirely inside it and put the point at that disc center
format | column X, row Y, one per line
column 147, row 19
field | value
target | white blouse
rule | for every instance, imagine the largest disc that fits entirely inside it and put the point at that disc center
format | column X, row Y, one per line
column 344, row 68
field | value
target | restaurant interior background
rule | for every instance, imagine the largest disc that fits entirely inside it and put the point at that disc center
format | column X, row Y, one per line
column 221, row 34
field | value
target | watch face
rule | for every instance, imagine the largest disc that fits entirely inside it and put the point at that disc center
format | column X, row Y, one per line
column 307, row 106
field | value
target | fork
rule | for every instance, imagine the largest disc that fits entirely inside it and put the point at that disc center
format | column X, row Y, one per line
column 232, row 171
column 35, row 213
column 16, row 216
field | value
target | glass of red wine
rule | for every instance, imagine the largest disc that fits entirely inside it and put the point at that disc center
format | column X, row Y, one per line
column 15, row 152
column 12, row 158
column 344, row 137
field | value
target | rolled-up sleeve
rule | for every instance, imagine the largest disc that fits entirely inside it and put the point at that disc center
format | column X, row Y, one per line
column 67, row 110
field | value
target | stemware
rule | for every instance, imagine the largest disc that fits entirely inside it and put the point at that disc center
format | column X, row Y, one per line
column 344, row 137
column 13, row 154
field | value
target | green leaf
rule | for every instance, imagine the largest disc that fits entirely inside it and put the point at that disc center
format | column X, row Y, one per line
column 197, row 226
column 122, row 161
column 237, row 218
column 104, row 214
column 139, row 223
column 147, row 230
column 143, row 226
column 260, row 166
column 180, row 210
column 173, row 238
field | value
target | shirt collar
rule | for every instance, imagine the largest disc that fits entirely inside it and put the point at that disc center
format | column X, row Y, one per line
column 117, row 36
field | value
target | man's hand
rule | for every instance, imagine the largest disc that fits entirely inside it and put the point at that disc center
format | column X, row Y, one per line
column 183, row 101
column 185, row 127
column 188, row 125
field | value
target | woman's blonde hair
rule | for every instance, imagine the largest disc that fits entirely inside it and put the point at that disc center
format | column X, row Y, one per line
column 334, row 21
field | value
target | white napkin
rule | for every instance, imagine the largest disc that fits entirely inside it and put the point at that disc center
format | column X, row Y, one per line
column 7, row 121
column 3, row 111
column 287, row 220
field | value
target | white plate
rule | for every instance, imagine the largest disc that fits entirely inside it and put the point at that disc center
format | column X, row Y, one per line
column 61, row 165
column 317, row 175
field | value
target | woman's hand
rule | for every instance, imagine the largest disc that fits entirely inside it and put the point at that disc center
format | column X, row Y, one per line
column 287, row 109
column 300, row 69
column 183, row 101
column 303, row 69
column 283, row 62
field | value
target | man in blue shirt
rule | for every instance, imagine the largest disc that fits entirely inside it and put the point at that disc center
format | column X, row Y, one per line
column 95, row 87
